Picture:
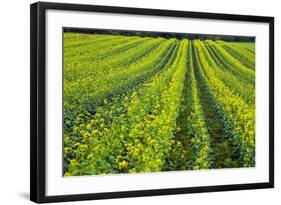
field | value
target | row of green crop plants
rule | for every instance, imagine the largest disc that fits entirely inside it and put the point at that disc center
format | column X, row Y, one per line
column 134, row 104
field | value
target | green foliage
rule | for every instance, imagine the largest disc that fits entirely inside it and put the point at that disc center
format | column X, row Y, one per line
column 231, row 63
column 245, row 56
column 200, row 141
column 239, row 117
column 139, row 104
column 251, row 46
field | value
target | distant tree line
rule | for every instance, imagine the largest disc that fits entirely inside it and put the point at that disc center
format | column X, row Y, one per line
column 163, row 34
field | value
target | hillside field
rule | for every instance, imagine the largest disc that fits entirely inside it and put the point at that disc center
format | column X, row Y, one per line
column 248, row 45
column 141, row 104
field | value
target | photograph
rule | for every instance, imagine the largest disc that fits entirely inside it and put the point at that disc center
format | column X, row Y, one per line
column 149, row 101
column 134, row 102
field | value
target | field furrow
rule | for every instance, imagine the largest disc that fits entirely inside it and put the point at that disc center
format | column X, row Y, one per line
column 123, row 60
column 87, row 40
column 232, row 62
column 221, row 154
column 239, row 118
column 121, row 126
column 242, row 89
column 87, row 94
column 229, row 67
column 137, row 102
column 245, row 57
column 180, row 156
column 104, row 51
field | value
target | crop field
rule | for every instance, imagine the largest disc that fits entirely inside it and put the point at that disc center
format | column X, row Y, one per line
column 149, row 104
column 248, row 45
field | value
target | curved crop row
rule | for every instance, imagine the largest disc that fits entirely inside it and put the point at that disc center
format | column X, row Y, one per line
column 109, row 128
column 109, row 51
column 249, row 46
column 231, row 62
column 244, row 90
column 97, row 45
column 158, row 106
column 197, row 130
column 228, row 67
column 239, row 118
column 93, row 69
column 86, row 95
column 140, row 104
column 180, row 156
column 245, row 56
column 87, row 39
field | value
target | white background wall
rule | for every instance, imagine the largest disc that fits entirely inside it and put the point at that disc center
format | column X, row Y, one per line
column 14, row 100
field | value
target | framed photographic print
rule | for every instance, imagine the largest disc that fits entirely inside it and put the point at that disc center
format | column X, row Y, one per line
column 129, row 102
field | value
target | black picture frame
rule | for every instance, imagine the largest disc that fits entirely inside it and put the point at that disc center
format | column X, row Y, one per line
column 38, row 101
